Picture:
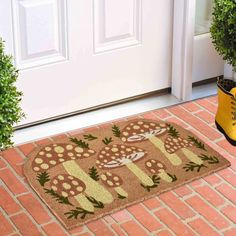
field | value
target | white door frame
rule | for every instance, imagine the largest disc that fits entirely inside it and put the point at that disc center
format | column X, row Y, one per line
column 182, row 57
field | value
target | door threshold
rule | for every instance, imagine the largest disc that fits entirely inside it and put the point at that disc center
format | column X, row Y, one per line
column 107, row 114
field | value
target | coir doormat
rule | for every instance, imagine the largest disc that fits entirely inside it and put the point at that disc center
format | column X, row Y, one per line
column 84, row 177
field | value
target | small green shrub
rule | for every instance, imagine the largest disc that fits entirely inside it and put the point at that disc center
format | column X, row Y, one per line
column 223, row 29
column 10, row 111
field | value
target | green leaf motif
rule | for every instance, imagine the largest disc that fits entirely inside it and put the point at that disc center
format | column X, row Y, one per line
column 57, row 197
column 120, row 196
column 89, row 137
column 93, row 173
column 209, row 159
column 79, row 143
column 156, row 181
column 78, row 212
column 197, row 143
column 106, row 140
column 173, row 177
column 191, row 166
column 116, row 131
column 96, row 204
column 43, row 178
column 172, row 131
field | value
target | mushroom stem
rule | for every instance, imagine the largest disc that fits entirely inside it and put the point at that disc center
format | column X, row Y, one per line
column 84, row 203
column 191, row 156
column 121, row 191
column 145, row 179
column 173, row 158
column 93, row 188
column 163, row 175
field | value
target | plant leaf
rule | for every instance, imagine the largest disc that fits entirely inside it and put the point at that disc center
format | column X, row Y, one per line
column 77, row 212
column 173, row 177
column 191, row 166
column 96, row 204
column 79, row 143
column 57, row 197
column 106, row 140
column 43, row 178
column 209, row 159
column 197, row 143
column 116, row 131
column 89, row 137
column 120, row 196
column 172, row 131
column 93, row 173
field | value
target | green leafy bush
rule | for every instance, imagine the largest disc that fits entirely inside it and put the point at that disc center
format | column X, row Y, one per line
column 223, row 29
column 10, row 111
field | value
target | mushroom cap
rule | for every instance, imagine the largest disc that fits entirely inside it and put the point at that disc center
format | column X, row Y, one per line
column 141, row 130
column 67, row 185
column 117, row 155
column 111, row 180
column 54, row 154
column 173, row 144
column 154, row 166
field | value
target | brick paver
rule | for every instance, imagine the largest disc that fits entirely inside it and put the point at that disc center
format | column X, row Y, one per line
column 203, row 207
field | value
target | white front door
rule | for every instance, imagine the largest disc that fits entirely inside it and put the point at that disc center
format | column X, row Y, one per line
column 77, row 54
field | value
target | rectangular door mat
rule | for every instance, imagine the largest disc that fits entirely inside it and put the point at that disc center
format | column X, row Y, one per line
column 84, row 177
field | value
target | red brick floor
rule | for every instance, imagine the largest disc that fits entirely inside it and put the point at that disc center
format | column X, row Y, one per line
column 203, row 207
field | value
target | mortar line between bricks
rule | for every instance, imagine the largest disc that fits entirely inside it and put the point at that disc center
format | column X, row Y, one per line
column 115, row 222
column 218, row 193
column 9, row 220
column 21, row 153
column 23, row 210
column 204, row 108
column 33, row 193
column 139, row 223
column 200, row 118
column 109, row 226
column 224, row 181
column 214, row 208
column 176, row 215
column 152, row 214
column 135, row 220
column 86, row 230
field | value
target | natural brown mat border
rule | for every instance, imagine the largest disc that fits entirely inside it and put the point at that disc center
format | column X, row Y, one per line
column 106, row 132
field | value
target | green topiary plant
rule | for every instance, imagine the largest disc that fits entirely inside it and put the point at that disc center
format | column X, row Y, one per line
column 223, row 29
column 10, row 111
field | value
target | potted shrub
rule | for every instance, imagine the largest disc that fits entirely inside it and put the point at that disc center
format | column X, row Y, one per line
column 223, row 30
column 10, row 97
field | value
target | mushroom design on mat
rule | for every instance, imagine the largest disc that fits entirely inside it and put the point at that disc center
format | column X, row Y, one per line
column 142, row 130
column 70, row 186
column 66, row 155
column 114, row 181
column 158, row 168
column 174, row 143
column 116, row 155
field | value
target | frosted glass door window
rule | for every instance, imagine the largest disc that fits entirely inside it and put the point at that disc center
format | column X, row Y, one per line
column 203, row 16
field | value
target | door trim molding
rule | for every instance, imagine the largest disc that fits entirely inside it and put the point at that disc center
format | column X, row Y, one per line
column 182, row 57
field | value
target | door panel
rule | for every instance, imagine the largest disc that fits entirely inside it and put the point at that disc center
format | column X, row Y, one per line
column 206, row 61
column 78, row 54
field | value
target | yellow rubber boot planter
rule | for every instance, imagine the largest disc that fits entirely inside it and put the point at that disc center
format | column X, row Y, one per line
column 226, row 114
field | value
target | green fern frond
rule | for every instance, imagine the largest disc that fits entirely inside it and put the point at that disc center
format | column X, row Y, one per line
column 197, row 143
column 116, row 131
column 43, row 178
column 106, row 141
column 172, row 131
column 93, row 173
column 89, row 137
column 57, row 197
column 79, row 143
